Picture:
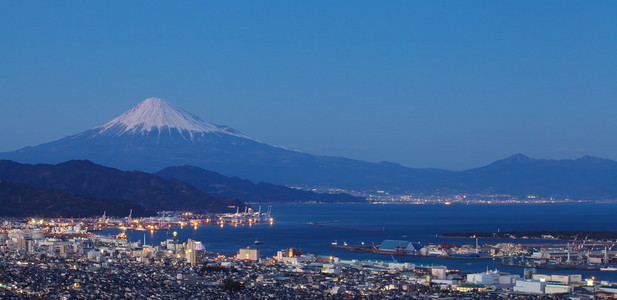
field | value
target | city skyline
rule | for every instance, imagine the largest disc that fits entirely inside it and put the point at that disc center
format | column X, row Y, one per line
column 447, row 86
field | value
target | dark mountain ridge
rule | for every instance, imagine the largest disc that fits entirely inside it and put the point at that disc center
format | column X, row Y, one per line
column 86, row 178
column 20, row 200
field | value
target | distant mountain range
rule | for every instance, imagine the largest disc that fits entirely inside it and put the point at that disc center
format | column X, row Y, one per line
column 155, row 135
column 584, row 178
column 20, row 200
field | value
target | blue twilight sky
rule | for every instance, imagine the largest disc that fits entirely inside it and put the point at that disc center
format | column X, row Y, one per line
column 446, row 84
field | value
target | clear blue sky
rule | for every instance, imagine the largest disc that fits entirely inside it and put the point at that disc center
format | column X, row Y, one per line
column 446, row 84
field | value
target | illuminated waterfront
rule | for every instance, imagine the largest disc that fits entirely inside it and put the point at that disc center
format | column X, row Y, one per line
column 417, row 223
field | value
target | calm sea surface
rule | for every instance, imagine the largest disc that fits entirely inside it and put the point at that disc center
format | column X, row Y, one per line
column 418, row 223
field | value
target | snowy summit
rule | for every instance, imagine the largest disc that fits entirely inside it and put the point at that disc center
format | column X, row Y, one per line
column 158, row 114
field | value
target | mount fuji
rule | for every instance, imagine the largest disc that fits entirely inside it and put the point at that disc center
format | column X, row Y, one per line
column 155, row 134
column 160, row 117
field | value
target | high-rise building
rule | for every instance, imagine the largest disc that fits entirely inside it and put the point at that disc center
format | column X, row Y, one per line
column 195, row 252
column 194, row 257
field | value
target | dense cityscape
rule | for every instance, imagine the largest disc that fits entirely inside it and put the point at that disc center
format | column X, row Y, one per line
column 67, row 259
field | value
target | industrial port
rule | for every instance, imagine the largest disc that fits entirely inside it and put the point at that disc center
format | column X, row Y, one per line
column 578, row 254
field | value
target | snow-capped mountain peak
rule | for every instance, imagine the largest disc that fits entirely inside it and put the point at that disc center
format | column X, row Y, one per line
column 158, row 114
